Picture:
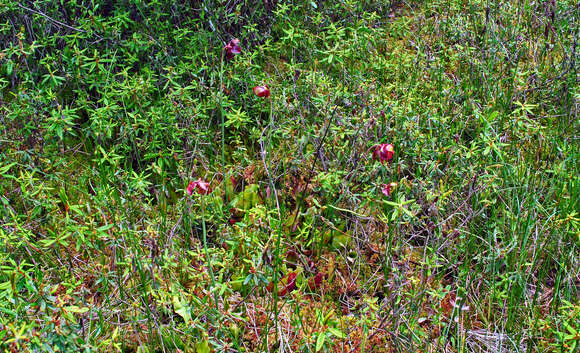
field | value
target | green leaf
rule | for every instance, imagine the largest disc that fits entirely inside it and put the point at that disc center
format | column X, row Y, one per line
column 76, row 309
column 202, row 347
column 407, row 212
column 9, row 67
column 248, row 198
column 336, row 332
column 181, row 309
column 320, row 341
column 105, row 227
column 8, row 311
column 570, row 329
column 4, row 169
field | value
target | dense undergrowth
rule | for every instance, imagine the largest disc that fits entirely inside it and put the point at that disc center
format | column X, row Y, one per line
column 466, row 239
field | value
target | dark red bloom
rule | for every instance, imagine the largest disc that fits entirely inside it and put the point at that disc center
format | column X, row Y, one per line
column 201, row 186
column 262, row 91
column 318, row 278
column 316, row 281
column 232, row 48
column 384, row 152
column 291, row 284
column 234, row 217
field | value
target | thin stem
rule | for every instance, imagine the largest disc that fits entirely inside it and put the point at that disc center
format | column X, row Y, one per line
column 207, row 252
column 223, row 127
column 278, row 240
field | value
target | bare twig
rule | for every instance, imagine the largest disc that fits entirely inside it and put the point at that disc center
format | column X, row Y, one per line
column 52, row 19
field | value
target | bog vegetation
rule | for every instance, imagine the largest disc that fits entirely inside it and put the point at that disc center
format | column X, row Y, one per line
column 305, row 176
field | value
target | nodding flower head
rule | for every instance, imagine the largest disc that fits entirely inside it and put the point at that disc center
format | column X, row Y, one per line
column 286, row 285
column 291, row 284
column 232, row 48
column 262, row 91
column 384, row 152
column 201, row 186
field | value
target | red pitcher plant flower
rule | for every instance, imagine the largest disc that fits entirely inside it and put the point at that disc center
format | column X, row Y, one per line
column 232, row 48
column 388, row 188
column 201, row 186
column 288, row 284
column 384, row 152
column 262, row 91
column 291, row 284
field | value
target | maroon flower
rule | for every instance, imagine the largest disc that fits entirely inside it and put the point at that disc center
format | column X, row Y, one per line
column 232, row 48
column 291, row 284
column 387, row 188
column 201, row 186
column 288, row 284
column 316, row 281
column 384, row 152
column 262, row 91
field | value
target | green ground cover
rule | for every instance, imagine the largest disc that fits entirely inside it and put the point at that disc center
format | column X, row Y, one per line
column 306, row 176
